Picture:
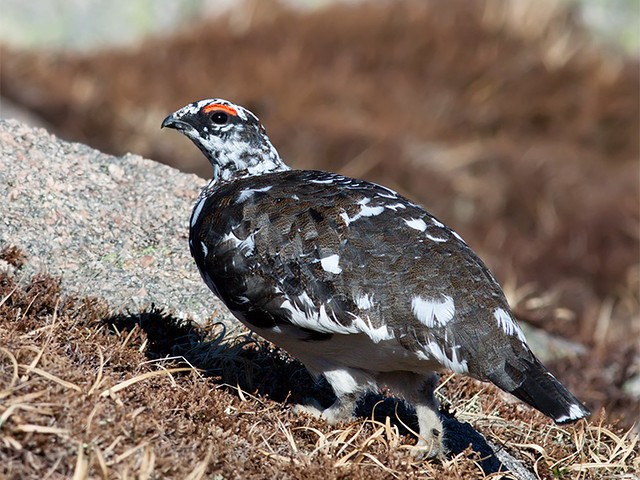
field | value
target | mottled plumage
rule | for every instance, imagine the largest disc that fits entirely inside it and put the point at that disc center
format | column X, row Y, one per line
column 362, row 285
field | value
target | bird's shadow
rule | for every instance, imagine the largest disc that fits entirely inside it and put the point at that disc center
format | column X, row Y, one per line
column 260, row 368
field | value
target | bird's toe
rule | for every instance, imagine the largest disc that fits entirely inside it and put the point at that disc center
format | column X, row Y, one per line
column 429, row 446
column 336, row 413
column 311, row 407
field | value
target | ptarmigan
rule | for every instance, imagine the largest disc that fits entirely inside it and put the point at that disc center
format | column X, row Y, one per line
column 360, row 284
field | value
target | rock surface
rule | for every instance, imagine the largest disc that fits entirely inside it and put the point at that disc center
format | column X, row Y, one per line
column 110, row 227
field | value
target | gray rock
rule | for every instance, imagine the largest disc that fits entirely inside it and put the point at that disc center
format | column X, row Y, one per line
column 111, row 227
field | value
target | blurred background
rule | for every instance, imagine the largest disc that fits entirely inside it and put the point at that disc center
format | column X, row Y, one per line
column 516, row 123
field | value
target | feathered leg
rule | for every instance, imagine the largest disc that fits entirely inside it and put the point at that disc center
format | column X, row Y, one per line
column 348, row 385
column 418, row 390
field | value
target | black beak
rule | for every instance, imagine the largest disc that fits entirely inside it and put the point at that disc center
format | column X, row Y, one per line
column 177, row 123
column 170, row 122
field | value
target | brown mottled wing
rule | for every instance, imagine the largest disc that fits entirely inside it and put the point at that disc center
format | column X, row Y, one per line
column 267, row 242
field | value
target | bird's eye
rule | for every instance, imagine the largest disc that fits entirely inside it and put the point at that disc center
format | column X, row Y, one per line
column 219, row 117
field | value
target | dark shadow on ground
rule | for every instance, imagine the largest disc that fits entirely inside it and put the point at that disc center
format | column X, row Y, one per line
column 259, row 368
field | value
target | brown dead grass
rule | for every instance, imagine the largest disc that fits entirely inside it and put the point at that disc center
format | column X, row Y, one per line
column 86, row 395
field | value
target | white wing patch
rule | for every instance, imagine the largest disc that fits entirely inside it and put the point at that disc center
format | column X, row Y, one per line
column 316, row 320
column 417, row 224
column 395, row 207
column 376, row 334
column 435, row 239
column 364, row 302
column 365, row 211
column 508, row 325
column 433, row 312
column 331, row 264
column 319, row 320
column 246, row 246
column 433, row 350
column 245, row 194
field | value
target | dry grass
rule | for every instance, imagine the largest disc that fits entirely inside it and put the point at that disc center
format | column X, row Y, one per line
column 86, row 395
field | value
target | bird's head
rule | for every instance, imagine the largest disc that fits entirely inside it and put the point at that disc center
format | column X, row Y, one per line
column 231, row 137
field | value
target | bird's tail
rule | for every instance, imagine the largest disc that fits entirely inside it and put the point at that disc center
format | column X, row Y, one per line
column 544, row 392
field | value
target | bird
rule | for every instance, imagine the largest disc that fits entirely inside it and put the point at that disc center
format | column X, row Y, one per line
column 359, row 283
